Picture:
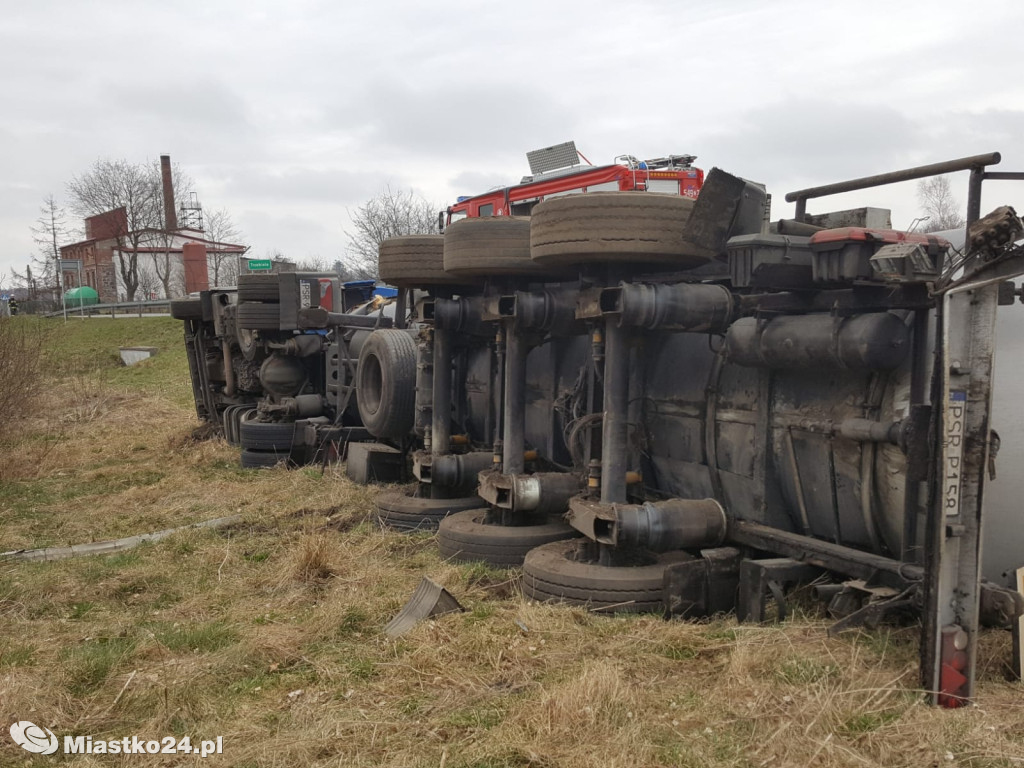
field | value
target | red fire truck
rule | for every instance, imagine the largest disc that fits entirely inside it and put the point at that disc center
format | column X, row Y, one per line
column 557, row 171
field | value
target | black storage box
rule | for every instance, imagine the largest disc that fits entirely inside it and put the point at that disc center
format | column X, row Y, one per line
column 770, row 261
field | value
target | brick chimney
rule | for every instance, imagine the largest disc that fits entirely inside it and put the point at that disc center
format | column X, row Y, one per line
column 170, row 217
column 197, row 275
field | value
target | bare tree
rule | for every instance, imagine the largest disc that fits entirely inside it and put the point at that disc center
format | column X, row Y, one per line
column 41, row 276
column 165, row 261
column 312, row 263
column 390, row 214
column 149, row 282
column 50, row 230
column 113, row 184
column 221, row 229
column 136, row 187
column 935, row 196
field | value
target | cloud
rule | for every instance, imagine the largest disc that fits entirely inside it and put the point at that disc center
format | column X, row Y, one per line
column 470, row 121
column 290, row 115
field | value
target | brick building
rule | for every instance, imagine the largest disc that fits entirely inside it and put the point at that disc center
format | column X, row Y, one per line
column 96, row 253
column 107, row 236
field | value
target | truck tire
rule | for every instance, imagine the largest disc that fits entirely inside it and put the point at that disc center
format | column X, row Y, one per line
column 613, row 227
column 464, row 537
column 498, row 245
column 230, row 419
column 386, row 383
column 228, row 424
column 405, row 512
column 413, row 260
column 187, row 309
column 258, row 317
column 568, row 572
column 259, row 288
column 265, row 435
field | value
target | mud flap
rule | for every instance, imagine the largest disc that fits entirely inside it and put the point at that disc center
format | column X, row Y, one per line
column 726, row 206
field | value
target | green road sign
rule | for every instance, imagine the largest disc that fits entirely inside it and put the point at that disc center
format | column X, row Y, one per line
column 256, row 265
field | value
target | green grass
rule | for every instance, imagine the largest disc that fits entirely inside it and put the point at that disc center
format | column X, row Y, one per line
column 87, row 666
column 483, row 718
column 90, row 347
column 197, row 638
column 866, row 722
column 803, row 670
column 15, row 654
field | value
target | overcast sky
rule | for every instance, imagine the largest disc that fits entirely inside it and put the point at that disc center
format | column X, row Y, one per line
column 292, row 114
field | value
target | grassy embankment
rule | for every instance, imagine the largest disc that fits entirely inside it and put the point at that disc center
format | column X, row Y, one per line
column 269, row 634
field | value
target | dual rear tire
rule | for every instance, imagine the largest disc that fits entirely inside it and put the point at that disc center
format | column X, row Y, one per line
column 466, row 537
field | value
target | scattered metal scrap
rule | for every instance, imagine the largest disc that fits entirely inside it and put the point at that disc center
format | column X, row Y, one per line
column 429, row 599
column 113, row 545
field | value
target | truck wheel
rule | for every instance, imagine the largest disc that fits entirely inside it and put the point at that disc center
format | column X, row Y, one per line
column 405, row 512
column 568, row 572
column 226, row 423
column 231, row 418
column 386, row 383
column 498, row 245
column 259, row 288
column 413, row 260
column 187, row 309
column 265, row 435
column 465, row 537
column 613, row 227
column 258, row 317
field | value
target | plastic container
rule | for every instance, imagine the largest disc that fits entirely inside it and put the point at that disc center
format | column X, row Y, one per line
column 770, row 261
column 844, row 254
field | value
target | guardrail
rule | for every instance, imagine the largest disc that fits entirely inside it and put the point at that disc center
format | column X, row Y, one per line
column 123, row 308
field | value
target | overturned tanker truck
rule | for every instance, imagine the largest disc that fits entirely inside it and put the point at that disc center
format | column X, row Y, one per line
column 656, row 403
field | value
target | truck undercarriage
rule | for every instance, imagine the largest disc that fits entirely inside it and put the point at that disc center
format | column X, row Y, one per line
column 654, row 403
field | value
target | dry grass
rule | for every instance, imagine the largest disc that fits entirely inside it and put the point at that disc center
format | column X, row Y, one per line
column 269, row 634
column 21, row 343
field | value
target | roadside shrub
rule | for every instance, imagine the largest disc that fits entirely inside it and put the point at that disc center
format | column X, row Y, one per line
column 21, row 343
